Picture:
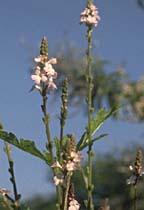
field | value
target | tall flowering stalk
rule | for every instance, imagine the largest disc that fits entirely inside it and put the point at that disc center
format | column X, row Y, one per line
column 43, row 76
column 137, row 172
column 66, row 159
column 90, row 18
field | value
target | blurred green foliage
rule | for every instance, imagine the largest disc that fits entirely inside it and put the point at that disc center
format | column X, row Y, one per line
column 110, row 88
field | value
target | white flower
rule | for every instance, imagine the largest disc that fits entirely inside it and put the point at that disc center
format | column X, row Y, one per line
column 38, row 59
column 57, row 180
column 44, row 76
column 132, row 180
column 131, row 168
column 90, row 15
column 52, row 61
column 56, row 165
column 73, row 205
column 36, row 79
column 4, row 191
column 76, row 156
column 70, row 166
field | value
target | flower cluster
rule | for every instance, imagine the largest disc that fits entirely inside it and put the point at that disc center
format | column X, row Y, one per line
column 73, row 161
column 137, row 169
column 70, row 165
column 44, row 73
column 90, row 15
column 57, row 180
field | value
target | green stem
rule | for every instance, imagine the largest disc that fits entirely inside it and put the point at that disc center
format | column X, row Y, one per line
column 90, row 205
column 59, row 197
column 16, row 203
column 135, row 197
column 61, row 131
column 49, row 145
column 64, row 109
column 46, row 120
column 66, row 192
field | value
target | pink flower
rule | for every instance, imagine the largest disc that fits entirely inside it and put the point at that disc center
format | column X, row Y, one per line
column 50, row 70
column 76, row 156
column 51, row 84
column 90, row 15
column 70, row 166
column 36, row 79
column 44, row 78
column 44, row 75
column 52, row 61
column 73, row 205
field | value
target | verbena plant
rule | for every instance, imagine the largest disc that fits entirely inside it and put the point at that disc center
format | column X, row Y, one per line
column 63, row 153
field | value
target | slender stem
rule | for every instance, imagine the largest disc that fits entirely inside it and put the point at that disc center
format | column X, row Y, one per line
column 90, row 205
column 59, row 197
column 68, row 181
column 61, row 132
column 49, row 145
column 47, row 126
column 135, row 197
column 16, row 203
column 64, row 109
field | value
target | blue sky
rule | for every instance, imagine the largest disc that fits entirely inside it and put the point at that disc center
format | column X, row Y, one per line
column 118, row 38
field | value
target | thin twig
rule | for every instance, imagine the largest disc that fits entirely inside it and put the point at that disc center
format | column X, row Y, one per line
column 16, row 203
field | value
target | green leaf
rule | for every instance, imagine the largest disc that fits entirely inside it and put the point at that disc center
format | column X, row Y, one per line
column 25, row 145
column 81, row 147
column 47, row 157
column 96, row 124
column 57, row 146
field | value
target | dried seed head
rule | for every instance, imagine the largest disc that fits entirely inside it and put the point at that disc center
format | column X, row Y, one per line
column 138, row 163
column 71, row 144
column 64, row 99
column 137, row 169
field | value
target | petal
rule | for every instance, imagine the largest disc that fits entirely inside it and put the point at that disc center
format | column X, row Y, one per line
column 52, row 61
column 37, row 59
column 36, row 78
column 44, row 78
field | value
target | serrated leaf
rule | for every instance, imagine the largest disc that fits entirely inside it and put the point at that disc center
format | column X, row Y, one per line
column 25, row 145
column 96, row 123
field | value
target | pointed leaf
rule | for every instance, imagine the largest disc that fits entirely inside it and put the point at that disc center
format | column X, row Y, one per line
column 96, row 123
column 25, row 145
column 81, row 147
